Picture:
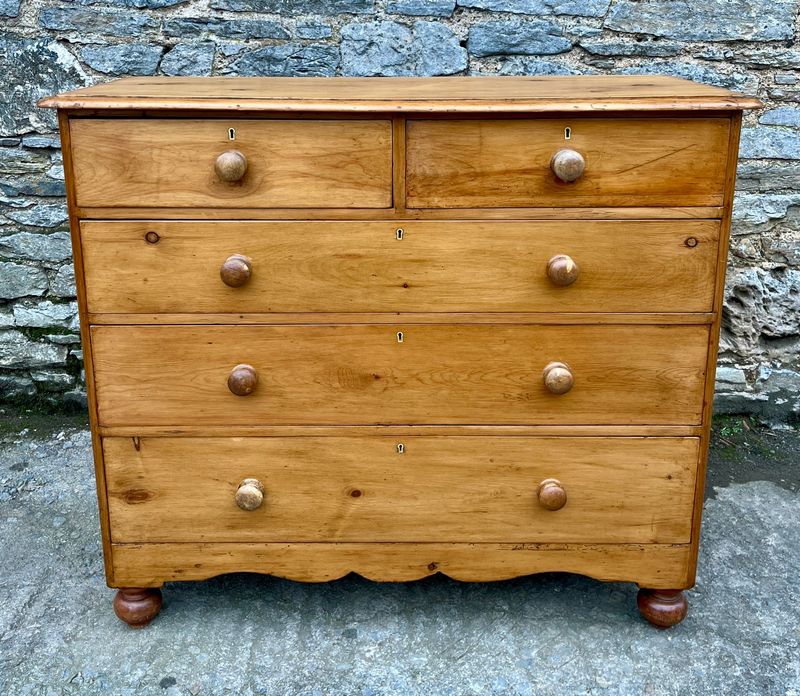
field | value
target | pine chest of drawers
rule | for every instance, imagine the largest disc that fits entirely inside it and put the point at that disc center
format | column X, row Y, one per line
column 400, row 327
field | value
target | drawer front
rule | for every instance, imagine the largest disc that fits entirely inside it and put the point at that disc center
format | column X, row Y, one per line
column 452, row 489
column 623, row 266
column 363, row 374
column 290, row 163
column 506, row 163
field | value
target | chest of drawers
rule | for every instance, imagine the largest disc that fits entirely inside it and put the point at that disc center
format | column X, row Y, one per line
column 400, row 327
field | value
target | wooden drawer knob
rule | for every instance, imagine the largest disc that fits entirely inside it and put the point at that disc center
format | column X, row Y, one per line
column 242, row 380
column 562, row 270
column 551, row 494
column 231, row 165
column 557, row 378
column 250, row 494
column 568, row 165
column 236, row 271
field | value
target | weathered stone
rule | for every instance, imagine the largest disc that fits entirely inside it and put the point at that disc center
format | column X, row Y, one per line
column 741, row 82
column 730, row 379
column 647, row 47
column 46, row 315
column 296, row 7
column 388, row 48
column 21, row 161
column 782, row 248
column 189, row 59
column 288, row 60
column 106, row 22
column 772, row 175
column 138, row 4
column 41, row 141
column 519, row 37
column 9, row 8
column 17, row 280
column 10, row 142
column 6, row 317
column 39, row 215
column 17, row 351
column 422, row 8
column 32, row 185
column 782, row 387
column 768, row 142
column 123, row 59
column 785, row 79
column 749, row 20
column 37, row 247
column 52, row 380
column 769, row 57
column 191, row 27
column 578, row 8
column 759, row 304
column 783, row 116
column 32, row 70
column 313, row 31
column 75, row 398
column 753, row 212
column 64, row 339
column 522, row 65
column 63, row 283
column 16, row 387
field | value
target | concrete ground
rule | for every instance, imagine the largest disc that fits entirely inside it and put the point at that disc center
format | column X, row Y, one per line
column 245, row 634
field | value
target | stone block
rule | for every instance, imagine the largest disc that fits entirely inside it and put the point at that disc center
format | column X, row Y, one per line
column 17, row 280
column 730, row 20
column 577, row 8
column 770, row 142
column 291, row 59
column 189, row 59
column 389, row 48
column 422, row 8
column 191, row 27
column 517, row 37
column 17, row 351
column 123, row 59
column 46, row 314
column 46, row 248
column 16, row 387
column 105, row 22
column 63, row 283
column 296, row 7
column 39, row 215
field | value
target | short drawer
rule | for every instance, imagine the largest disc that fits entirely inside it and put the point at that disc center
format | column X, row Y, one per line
column 507, row 163
column 401, row 374
column 465, row 266
column 289, row 163
column 451, row 489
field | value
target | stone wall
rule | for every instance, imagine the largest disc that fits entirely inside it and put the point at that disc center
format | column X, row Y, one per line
column 747, row 45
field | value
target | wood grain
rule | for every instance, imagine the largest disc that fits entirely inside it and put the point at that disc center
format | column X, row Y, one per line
column 649, row 565
column 506, row 163
column 528, row 94
column 438, row 489
column 626, row 266
column 439, row 374
column 290, row 163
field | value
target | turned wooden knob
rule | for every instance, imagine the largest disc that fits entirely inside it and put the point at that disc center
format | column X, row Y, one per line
column 250, row 494
column 242, row 380
column 231, row 165
column 557, row 378
column 568, row 165
column 562, row 270
column 551, row 494
column 236, row 271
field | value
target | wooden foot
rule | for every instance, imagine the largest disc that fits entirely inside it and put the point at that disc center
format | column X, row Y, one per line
column 137, row 606
column 662, row 608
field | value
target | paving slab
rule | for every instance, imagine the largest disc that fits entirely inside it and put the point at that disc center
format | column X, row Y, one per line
column 248, row 634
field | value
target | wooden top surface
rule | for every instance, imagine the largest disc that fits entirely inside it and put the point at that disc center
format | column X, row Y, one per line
column 404, row 94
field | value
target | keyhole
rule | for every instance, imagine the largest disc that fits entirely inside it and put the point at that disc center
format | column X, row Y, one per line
column 567, row 133
column 231, row 134
column 400, row 448
column 399, row 233
column 400, row 336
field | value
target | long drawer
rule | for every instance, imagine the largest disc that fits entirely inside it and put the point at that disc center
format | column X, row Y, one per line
column 401, row 374
column 507, row 163
column 289, row 163
column 465, row 266
column 617, row 490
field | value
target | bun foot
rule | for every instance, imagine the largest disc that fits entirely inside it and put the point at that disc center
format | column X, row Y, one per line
column 662, row 608
column 137, row 606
